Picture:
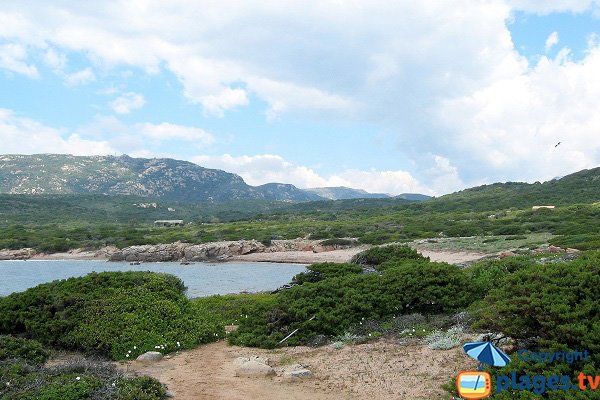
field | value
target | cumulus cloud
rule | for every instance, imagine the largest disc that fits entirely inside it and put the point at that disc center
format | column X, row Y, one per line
column 265, row 168
column 20, row 135
column 167, row 131
column 80, row 77
column 551, row 41
column 127, row 102
column 13, row 57
column 144, row 138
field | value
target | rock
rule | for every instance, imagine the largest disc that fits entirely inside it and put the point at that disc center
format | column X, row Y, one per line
column 506, row 254
column 263, row 360
column 221, row 251
column 554, row 249
column 170, row 394
column 150, row 253
column 231, row 328
column 572, row 251
column 297, row 374
column 20, row 254
column 254, row 369
column 150, row 356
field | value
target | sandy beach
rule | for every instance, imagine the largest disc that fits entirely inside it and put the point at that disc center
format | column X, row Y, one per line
column 300, row 257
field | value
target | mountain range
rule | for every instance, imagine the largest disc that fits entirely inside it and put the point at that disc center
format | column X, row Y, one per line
column 157, row 178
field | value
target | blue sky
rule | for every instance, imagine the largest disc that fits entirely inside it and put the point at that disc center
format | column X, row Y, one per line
column 430, row 97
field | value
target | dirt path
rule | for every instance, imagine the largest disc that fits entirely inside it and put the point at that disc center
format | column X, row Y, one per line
column 373, row 371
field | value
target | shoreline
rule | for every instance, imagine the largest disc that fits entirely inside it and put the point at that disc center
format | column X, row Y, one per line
column 283, row 257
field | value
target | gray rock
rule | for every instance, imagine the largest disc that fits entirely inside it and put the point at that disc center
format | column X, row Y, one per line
column 170, row 394
column 150, row 356
column 254, row 369
column 20, row 254
column 297, row 374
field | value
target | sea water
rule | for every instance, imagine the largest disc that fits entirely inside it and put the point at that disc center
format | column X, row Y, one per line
column 201, row 279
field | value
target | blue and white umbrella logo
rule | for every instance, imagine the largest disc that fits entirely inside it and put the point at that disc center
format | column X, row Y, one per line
column 487, row 353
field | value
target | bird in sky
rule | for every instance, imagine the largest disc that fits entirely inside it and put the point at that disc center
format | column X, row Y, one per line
column 557, row 144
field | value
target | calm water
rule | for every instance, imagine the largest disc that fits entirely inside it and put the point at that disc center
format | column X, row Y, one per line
column 201, row 279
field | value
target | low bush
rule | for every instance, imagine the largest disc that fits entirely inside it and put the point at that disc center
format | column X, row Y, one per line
column 337, row 242
column 30, row 351
column 318, row 272
column 117, row 314
column 385, row 254
column 550, row 307
column 77, row 379
column 339, row 302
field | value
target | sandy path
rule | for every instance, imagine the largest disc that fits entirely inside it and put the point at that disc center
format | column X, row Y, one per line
column 373, row 371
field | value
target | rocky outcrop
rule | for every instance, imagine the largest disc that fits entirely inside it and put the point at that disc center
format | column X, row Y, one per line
column 215, row 251
column 221, row 251
column 150, row 253
column 20, row 254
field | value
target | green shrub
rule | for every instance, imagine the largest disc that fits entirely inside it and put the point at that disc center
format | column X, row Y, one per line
column 30, row 351
column 515, row 237
column 118, row 314
column 551, row 307
column 341, row 301
column 318, row 272
column 337, row 242
column 74, row 380
column 391, row 253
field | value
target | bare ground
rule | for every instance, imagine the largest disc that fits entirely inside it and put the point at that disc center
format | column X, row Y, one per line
column 373, row 371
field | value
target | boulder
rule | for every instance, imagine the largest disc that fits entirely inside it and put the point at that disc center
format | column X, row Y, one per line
column 150, row 356
column 254, row 369
column 20, row 254
column 220, row 251
column 150, row 253
column 297, row 374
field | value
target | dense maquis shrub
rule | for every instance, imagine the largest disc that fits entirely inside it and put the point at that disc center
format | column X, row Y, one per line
column 318, row 272
column 385, row 254
column 74, row 380
column 30, row 351
column 118, row 314
column 341, row 301
column 552, row 307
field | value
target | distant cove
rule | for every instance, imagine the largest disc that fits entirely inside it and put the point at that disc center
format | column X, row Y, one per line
column 201, row 279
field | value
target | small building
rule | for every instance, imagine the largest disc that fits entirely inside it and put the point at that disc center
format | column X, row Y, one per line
column 168, row 222
column 538, row 207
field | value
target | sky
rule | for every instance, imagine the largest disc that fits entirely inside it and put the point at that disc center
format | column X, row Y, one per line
column 390, row 97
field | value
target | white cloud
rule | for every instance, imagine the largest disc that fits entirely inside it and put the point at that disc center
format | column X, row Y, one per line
column 20, row 135
column 265, row 168
column 127, row 102
column 551, row 41
column 511, row 126
column 167, row 131
column 80, row 77
column 13, row 57
column 549, row 6
column 145, row 138
column 226, row 100
column 55, row 60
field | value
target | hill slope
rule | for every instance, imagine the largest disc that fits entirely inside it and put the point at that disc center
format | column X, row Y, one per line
column 577, row 188
column 158, row 178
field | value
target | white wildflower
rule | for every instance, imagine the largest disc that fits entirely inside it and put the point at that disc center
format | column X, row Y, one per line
column 78, row 378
